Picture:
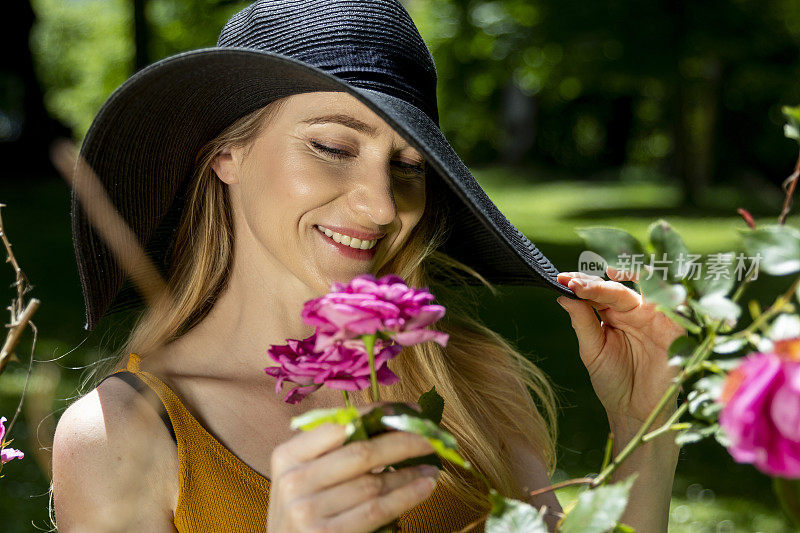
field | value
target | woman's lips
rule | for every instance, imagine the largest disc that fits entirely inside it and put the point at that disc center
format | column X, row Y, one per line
column 347, row 251
column 359, row 234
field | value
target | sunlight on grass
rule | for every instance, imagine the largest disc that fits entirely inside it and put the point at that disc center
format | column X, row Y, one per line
column 551, row 211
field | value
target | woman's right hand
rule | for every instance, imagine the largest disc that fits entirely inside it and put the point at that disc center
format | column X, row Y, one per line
column 319, row 484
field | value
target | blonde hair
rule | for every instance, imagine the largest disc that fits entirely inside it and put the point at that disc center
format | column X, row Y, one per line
column 485, row 382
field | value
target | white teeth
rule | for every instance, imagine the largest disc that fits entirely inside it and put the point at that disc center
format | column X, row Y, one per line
column 352, row 242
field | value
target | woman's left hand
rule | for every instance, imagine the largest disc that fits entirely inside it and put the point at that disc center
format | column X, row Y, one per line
column 625, row 352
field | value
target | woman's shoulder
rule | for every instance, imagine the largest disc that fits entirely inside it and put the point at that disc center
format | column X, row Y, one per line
column 113, row 409
column 113, row 459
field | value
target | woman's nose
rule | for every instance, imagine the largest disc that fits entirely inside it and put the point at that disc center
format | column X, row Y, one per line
column 372, row 194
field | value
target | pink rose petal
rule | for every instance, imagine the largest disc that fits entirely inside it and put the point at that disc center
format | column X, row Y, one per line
column 761, row 416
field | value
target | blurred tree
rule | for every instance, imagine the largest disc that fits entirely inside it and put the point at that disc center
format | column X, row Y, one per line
column 26, row 129
column 141, row 34
column 84, row 49
column 684, row 87
column 675, row 86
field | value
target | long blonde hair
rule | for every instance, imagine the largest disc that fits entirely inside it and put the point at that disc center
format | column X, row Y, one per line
column 485, row 382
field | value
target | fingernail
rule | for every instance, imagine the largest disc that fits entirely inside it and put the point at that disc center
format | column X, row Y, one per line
column 561, row 302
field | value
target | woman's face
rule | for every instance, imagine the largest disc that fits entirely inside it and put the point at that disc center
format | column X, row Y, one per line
column 325, row 168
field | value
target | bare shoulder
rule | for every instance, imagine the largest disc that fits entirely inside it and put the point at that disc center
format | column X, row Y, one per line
column 531, row 474
column 115, row 466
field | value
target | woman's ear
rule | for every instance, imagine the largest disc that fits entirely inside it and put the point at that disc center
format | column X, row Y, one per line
column 226, row 167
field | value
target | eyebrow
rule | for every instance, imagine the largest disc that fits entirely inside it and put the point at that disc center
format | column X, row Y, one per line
column 344, row 120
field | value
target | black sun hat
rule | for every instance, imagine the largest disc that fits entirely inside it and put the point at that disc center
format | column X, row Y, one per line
column 143, row 141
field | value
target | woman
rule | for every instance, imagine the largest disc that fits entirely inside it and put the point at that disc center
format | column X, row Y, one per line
column 245, row 169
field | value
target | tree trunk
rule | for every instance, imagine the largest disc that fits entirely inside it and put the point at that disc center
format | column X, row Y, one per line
column 26, row 128
column 518, row 123
column 141, row 34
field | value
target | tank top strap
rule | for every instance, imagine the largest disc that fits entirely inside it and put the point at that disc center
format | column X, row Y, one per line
column 178, row 414
column 194, row 440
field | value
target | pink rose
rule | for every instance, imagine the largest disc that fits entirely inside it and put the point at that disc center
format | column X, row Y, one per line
column 368, row 305
column 342, row 366
column 761, row 412
column 7, row 454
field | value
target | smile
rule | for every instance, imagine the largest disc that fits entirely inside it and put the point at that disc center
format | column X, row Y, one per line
column 347, row 250
column 347, row 240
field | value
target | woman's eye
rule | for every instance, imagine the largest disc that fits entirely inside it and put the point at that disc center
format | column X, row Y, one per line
column 331, row 151
column 409, row 168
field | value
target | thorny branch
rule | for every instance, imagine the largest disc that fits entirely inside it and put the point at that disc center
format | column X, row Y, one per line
column 21, row 314
column 788, row 186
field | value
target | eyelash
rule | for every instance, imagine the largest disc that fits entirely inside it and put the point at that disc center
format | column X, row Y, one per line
column 336, row 153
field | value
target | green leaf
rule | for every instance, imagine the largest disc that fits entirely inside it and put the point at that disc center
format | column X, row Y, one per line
column 372, row 423
column 657, row 290
column 785, row 326
column 623, row 528
column 724, row 344
column 498, row 502
column 443, row 442
column 712, row 384
column 681, row 349
column 611, row 243
column 679, row 319
column 369, row 424
column 696, row 433
column 721, row 366
column 792, row 128
column 717, row 307
column 792, row 113
column 703, row 406
column 598, row 510
column 668, row 245
column 778, row 245
column 432, row 405
column 512, row 516
column 721, row 437
column 788, row 493
column 727, row 364
column 717, row 275
column 316, row 417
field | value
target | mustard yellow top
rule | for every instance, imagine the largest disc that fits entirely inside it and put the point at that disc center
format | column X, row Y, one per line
column 219, row 492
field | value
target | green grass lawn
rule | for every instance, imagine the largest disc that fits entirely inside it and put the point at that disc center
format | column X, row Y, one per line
column 550, row 211
column 711, row 492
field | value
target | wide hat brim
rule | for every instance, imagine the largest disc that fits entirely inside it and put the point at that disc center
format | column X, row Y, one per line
column 144, row 139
